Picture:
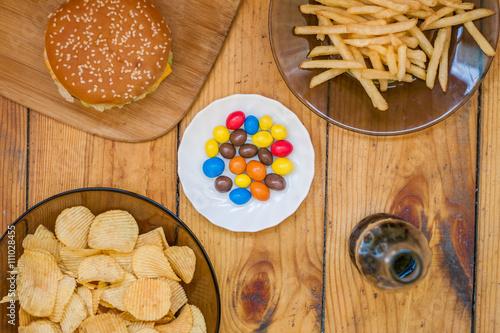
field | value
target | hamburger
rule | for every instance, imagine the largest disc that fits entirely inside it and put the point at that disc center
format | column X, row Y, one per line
column 107, row 53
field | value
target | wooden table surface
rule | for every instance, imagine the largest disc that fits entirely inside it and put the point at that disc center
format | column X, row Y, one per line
column 297, row 277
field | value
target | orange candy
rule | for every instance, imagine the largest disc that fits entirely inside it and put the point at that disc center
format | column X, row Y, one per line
column 237, row 165
column 256, row 170
column 260, row 191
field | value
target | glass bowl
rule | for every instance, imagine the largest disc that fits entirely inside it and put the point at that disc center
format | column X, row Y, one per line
column 203, row 291
column 342, row 101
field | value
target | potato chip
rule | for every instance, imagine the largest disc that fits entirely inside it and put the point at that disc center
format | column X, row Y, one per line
column 140, row 325
column 44, row 233
column 148, row 299
column 182, row 324
column 37, row 284
column 114, row 292
column 183, row 261
column 198, row 319
column 123, row 259
column 74, row 314
column 86, row 295
column 104, row 323
column 166, row 319
column 128, row 317
column 32, row 242
column 114, row 230
column 96, row 298
column 25, row 318
column 72, row 226
column 150, row 261
column 153, row 237
column 65, row 290
column 40, row 326
column 100, row 268
column 71, row 257
column 147, row 330
column 179, row 297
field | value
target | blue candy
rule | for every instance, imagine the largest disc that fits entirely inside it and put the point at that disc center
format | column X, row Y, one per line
column 213, row 167
column 240, row 196
column 251, row 125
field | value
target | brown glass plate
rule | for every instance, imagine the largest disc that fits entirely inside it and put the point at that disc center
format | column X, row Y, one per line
column 342, row 101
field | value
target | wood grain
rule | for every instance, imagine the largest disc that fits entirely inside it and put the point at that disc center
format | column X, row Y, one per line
column 13, row 161
column 426, row 178
column 25, row 79
column 488, row 247
column 270, row 281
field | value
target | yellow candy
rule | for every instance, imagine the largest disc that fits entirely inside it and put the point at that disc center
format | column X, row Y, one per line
column 221, row 134
column 265, row 123
column 279, row 132
column 262, row 139
column 282, row 166
column 212, row 148
column 242, row 180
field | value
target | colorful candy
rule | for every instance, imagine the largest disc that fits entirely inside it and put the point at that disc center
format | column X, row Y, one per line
column 227, row 150
column 282, row 166
column 260, row 191
column 251, row 125
column 223, row 184
column 275, row 182
column 213, row 167
column 242, row 180
column 221, row 134
column 281, row 148
column 256, row 170
column 278, row 132
column 237, row 165
column 262, row 139
column 238, row 137
column 265, row 123
column 235, row 120
column 240, row 196
column 212, row 148
column 265, row 156
column 248, row 150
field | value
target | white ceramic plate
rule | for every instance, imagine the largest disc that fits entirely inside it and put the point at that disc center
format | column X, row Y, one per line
column 217, row 207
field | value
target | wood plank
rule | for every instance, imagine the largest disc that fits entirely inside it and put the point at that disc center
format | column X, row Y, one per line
column 195, row 46
column 13, row 161
column 270, row 281
column 488, row 247
column 428, row 179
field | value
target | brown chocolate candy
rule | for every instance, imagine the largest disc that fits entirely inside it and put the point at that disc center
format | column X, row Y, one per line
column 275, row 182
column 227, row 150
column 223, row 184
column 238, row 137
column 248, row 150
column 265, row 156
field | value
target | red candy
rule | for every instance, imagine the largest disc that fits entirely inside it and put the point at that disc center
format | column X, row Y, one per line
column 235, row 120
column 281, row 148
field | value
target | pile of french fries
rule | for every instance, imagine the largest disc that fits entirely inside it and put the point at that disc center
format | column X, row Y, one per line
column 389, row 33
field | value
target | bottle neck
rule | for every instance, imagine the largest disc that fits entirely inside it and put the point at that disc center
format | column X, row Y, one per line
column 404, row 266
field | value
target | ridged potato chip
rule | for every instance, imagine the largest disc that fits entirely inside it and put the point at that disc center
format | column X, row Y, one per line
column 71, row 257
column 40, row 326
column 179, row 297
column 123, row 259
column 153, row 237
column 74, row 314
column 32, row 242
column 128, row 317
column 137, row 326
column 147, row 330
column 72, row 226
column 100, row 268
column 25, row 318
column 86, row 295
column 148, row 299
column 114, row 292
column 96, row 298
column 65, row 290
column 104, row 323
column 37, row 284
column 44, row 233
column 198, row 319
column 182, row 324
column 114, row 230
column 183, row 261
column 167, row 319
column 150, row 261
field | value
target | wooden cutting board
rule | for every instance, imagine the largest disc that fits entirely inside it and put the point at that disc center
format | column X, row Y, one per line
column 198, row 30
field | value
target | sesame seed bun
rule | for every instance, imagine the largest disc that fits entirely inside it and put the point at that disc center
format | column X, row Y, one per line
column 107, row 52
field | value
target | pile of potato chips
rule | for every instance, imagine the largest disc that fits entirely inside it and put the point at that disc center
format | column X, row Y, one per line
column 97, row 274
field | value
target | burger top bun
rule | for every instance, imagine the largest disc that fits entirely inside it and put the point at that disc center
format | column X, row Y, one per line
column 107, row 52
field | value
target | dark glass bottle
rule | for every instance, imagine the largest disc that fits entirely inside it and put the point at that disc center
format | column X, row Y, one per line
column 389, row 252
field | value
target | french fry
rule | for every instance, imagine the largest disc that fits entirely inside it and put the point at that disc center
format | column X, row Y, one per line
column 424, row 43
column 386, row 13
column 374, row 74
column 421, row 14
column 434, row 60
column 377, row 64
column 363, row 10
column 339, row 18
column 411, row 42
column 418, row 63
column 436, row 16
column 383, row 29
column 478, row 37
column 314, row 30
column 443, row 62
column 457, row 4
column 325, row 76
column 398, row 7
column 401, row 62
column 391, row 60
column 345, row 64
column 362, row 42
column 461, row 18
column 417, row 72
column 341, row 3
column 418, row 55
column 323, row 50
